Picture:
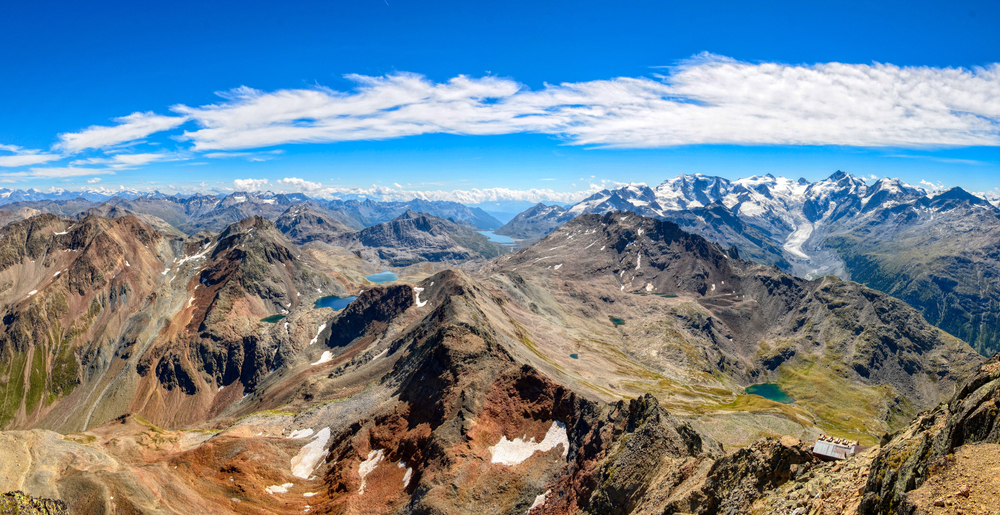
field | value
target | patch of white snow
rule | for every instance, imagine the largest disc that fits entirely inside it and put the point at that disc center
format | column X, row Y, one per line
column 416, row 293
column 512, row 452
column 309, row 457
column 301, row 433
column 326, row 356
column 368, row 466
column 539, row 500
column 278, row 489
column 320, row 330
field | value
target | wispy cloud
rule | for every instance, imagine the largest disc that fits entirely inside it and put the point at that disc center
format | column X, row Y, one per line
column 949, row 160
column 95, row 180
column 127, row 161
column 249, row 156
column 12, row 156
column 706, row 100
column 130, row 128
column 56, row 173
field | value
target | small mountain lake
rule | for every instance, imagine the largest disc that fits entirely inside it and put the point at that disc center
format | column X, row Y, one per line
column 337, row 303
column 382, row 277
column 497, row 238
column 770, row 391
column 273, row 319
column 617, row 321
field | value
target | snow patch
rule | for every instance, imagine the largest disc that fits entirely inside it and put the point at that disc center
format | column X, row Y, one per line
column 379, row 355
column 126, row 263
column 416, row 293
column 301, row 433
column 539, row 500
column 649, row 286
column 190, row 301
column 638, row 260
column 713, row 286
column 512, row 452
column 557, row 266
column 309, row 457
column 278, row 489
column 326, row 356
column 368, row 466
column 199, row 255
column 308, row 494
column 32, row 292
column 320, row 330
column 57, row 273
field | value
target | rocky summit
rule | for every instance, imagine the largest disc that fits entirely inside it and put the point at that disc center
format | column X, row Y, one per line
column 607, row 368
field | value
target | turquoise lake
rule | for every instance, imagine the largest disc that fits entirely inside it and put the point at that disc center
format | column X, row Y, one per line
column 770, row 391
column 496, row 238
column 382, row 277
column 337, row 303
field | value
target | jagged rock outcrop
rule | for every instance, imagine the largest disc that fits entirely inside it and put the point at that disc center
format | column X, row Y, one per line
column 913, row 455
column 737, row 480
column 17, row 503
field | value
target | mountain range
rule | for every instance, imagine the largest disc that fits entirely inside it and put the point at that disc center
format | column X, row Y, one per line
column 934, row 250
column 153, row 363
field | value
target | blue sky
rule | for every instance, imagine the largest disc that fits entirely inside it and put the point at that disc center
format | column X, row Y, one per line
column 558, row 97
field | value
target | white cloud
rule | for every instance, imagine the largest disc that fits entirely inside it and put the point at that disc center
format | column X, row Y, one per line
column 705, row 100
column 932, row 186
column 56, row 173
column 249, row 156
column 301, row 185
column 95, row 180
column 130, row 128
column 127, row 161
column 249, row 184
column 23, row 157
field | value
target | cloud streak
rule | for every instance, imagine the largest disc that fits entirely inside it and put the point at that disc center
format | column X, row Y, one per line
column 706, row 100
column 12, row 156
column 130, row 128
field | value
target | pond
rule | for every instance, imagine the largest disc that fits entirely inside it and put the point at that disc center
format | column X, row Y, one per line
column 770, row 391
column 337, row 303
column 617, row 321
column 574, row 356
column 272, row 319
column 497, row 238
column 382, row 277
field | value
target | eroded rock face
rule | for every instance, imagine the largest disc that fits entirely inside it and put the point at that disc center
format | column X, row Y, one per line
column 739, row 479
column 911, row 456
